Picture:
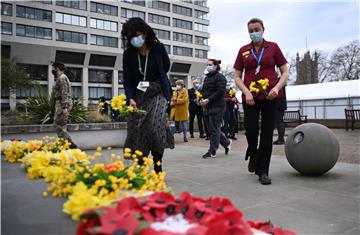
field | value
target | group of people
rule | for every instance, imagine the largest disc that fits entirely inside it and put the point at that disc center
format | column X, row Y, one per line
column 147, row 87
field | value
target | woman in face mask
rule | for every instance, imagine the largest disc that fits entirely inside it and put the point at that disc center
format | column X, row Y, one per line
column 147, row 87
column 260, row 89
column 180, row 107
column 213, row 103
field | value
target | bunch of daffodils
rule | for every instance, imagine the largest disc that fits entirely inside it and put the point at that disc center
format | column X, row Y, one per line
column 259, row 86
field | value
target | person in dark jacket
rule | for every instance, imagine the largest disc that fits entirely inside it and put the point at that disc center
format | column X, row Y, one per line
column 229, row 114
column 281, row 106
column 213, row 103
column 147, row 87
column 195, row 109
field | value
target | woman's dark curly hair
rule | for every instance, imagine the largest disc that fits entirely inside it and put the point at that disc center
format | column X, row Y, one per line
column 134, row 25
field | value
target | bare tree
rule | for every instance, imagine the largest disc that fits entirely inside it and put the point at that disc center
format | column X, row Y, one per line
column 228, row 72
column 324, row 69
column 345, row 62
column 292, row 69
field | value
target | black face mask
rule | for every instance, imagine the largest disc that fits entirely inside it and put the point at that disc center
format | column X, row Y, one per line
column 53, row 72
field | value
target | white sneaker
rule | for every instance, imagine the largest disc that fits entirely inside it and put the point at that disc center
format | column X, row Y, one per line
column 228, row 148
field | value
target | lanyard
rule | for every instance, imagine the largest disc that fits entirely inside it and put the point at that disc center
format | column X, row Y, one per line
column 146, row 62
column 260, row 57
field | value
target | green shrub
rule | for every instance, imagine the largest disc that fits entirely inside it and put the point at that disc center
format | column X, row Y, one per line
column 42, row 108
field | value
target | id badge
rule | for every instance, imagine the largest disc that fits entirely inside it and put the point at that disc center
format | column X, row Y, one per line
column 142, row 86
column 257, row 70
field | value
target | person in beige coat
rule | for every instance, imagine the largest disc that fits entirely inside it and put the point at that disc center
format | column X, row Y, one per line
column 180, row 106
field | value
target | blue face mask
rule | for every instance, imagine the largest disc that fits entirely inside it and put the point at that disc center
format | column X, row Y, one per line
column 256, row 36
column 210, row 69
column 137, row 41
column 228, row 87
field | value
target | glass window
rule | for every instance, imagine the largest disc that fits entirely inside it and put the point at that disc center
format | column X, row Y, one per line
column 20, row 30
column 162, row 34
column 59, row 17
column 39, row 33
column 76, row 92
column 68, row 36
column 77, row 4
column 201, row 14
column 104, row 8
column 182, row 10
column 182, row 37
column 114, row 26
column 75, row 20
column 201, row 40
column 36, row 72
column 93, row 39
column 67, row 19
column 100, row 24
column 29, row 31
column 183, row 51
column 164, row 6
column 201, row 54
column 100, row 76
column 158, row 19
column 92, row 23
column 74, row 74
column 6, row 28
column 96, row 92
column 33, row 13
column 47, row 33
column 182, row 24
column 103, row 41
column 200, row 27
column 127, row 13
column 6, row 9
column 83, row 21
column 201, row 3
column 20, row 11
column 30, row 13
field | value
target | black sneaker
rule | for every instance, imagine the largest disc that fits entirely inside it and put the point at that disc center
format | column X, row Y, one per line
column 208, row 155
column 202, row 136
column 279, row 142
column 191, row 136
column 185, row 139
column 227, row 149
column 264, row 179
column 252, row 165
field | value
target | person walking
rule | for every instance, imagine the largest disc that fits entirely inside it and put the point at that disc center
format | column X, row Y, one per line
column 147, row 87
column 63, row 102
column 229, row 114
column 195, row 109
column 213, row 102
column 260, row 89
column 180, row 107
column 281, row 106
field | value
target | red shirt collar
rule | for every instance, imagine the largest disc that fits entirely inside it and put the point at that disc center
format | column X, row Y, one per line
column 265, row 44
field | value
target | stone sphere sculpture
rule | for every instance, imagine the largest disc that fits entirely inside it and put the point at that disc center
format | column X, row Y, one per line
column 312, row 149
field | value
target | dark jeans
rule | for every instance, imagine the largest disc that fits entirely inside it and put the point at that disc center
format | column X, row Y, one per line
column 229, row 122
column 279, row 123
column 213, row 123
column 199, row 116
column 252, row 113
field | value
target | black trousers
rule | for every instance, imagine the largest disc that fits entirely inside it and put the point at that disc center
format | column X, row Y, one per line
column 213, row 122
column 261, row 151
column 229, row 122
column 279, row 123
column 199, row 116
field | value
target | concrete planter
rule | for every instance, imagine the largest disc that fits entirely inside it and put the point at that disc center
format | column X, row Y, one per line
column 85, row 135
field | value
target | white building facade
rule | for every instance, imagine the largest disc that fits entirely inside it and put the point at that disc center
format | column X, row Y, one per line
column 85, row 35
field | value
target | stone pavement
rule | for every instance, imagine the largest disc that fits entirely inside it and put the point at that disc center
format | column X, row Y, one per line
column 308, row 205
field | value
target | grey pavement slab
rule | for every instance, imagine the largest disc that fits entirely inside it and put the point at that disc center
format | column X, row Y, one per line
column 308, row 205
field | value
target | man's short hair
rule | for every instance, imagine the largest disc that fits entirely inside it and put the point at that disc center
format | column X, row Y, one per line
column 59, row 65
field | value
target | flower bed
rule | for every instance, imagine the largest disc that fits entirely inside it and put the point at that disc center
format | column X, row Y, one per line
column 117, row 199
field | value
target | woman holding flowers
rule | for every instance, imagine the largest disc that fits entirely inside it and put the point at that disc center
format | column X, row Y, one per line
column 260, row 89
column 147, row 87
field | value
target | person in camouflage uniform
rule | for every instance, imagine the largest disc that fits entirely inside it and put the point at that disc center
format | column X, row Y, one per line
column 63, row 102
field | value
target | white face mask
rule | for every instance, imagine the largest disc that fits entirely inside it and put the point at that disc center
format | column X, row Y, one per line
column 178, row 87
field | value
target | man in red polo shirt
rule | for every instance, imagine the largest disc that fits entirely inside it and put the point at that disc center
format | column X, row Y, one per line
column 260, row 88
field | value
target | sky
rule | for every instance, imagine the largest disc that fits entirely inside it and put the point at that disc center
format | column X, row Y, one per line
column 293, row 24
